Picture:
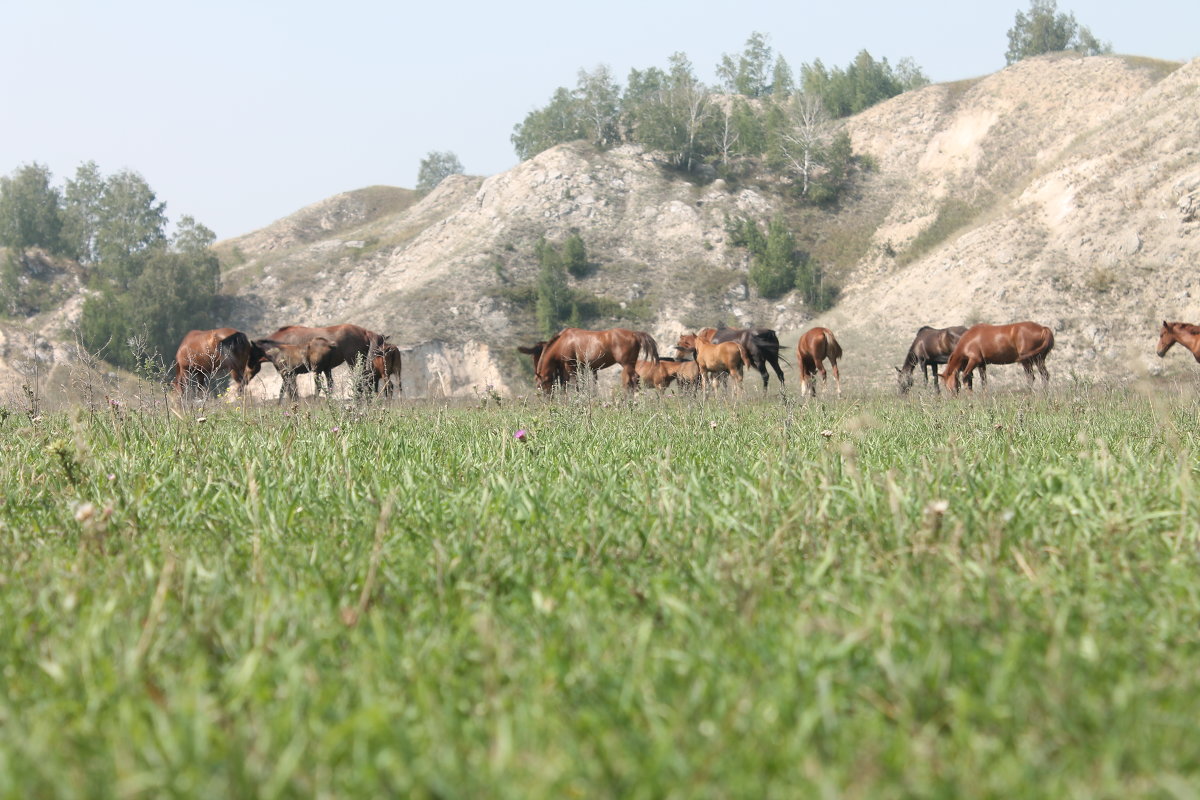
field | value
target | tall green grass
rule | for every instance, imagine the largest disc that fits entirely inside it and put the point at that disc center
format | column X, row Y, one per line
column 992, row 596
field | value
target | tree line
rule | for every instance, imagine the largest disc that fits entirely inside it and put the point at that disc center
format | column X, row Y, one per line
column 147, row 287
column 759, row 114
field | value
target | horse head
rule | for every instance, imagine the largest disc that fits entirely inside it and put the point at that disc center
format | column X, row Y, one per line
column 1166, row 338
column 904, row 380
column 686, row 342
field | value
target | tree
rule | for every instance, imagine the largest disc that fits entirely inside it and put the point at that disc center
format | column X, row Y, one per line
column 575, row 256
column 860, row 85
column 81, row 213
column 798, row 144
column 1043, row 30
column 560, row 121
column 553, row 296
column 598, row 98
column 773, row 268
column 750, row 74
column 131, row 223
column 682, row 120
column 436, row 167
column 30, row 210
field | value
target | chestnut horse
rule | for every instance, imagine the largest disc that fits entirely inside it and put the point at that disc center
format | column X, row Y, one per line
column 660, row 374
column 1186, row 334
column 353, row 345
column 572, row 348
column 814, row 347
column 1024, row 343
column 203, row 354
column 931, row 347
column 761, row 343
column 730, row 357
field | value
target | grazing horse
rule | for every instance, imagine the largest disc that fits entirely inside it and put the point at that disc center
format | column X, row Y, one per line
column 662, row 373
column 572, row 348
column 534, row 351
column 203, row 354
column 931, row 347
column 814, row 347
column 353, row 345
column 1185, row 333
column 291, row 360
column 1025, row 343
column 384, row 366
column 727, row 357
column 761, row 343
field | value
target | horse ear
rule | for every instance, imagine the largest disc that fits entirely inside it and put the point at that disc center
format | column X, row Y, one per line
column 898, row 369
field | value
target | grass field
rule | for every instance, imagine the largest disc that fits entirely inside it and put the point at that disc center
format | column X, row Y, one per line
column 867, row 597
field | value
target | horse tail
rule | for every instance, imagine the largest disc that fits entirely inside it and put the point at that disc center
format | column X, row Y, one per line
column 831, row 346
column 648, row 345
column 1049, row 343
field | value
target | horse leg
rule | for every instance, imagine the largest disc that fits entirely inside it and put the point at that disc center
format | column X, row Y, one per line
column 1041, row 365
column 1028, row 367
column 774, row 359
column 629, row 378
column 762, row 368
column 837, row 376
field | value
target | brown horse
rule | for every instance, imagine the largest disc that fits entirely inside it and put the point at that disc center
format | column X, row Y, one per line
column 1185, row 333
column 662, row 373
column 931, row 347
column 761, row 343
column 814, row 347
column 727, row 357
column 204, row 354
column 353, row 345
column 573, row 348
column 534, row 351
column 1024, row 343
column 291, row 360
column 384, row 366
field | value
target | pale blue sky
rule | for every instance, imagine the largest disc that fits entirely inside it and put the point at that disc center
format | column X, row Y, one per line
column 240, row 112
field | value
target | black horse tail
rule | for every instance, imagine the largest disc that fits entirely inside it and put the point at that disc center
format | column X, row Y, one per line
column 649, row 346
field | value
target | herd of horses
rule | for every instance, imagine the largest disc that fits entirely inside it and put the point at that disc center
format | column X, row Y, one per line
column 704, row 357
column 293, row 350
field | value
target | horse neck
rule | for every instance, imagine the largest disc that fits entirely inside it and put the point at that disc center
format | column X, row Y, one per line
column 910, row 362
column 1188, row 336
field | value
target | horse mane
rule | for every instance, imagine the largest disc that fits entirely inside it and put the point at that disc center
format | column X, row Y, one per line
column 910, row 360
column 1186, row 327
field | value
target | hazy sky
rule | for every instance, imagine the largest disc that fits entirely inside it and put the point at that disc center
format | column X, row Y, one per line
column 241, row 112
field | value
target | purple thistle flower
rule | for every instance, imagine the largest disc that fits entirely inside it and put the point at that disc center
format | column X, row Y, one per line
column 521, row 435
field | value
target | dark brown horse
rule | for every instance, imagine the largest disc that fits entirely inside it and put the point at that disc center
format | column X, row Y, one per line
column 353, row 345
column 291, row 360
column 384, row 366
column 814, row 347
column 534, row 351
column 1185, row 333
column 204, row 354
column 573, row 348
column 931, row 348
column 762, row 344
column 1024, row 343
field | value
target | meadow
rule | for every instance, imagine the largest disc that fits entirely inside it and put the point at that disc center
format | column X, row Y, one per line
column 993, row 596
